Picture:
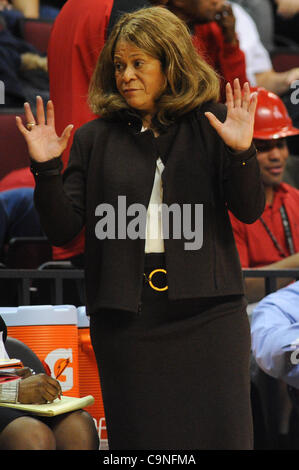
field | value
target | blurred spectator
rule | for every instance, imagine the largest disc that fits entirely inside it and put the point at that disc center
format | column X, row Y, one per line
column 262, row 74
column 17, row 179
column 215, row 36
column 287, row 8
column 46, row 9
column 275, row 334
column 262, row 14
column 212, row 24
column 18, row 216
column 285, row 24
column 272, row 242
column 22, row 69
column 28, row 8
column 257, row 57
column 260, row 70
column 10, row 15
column 276, row 21
column 49, row 9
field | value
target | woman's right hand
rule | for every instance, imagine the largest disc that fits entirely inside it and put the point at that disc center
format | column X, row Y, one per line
column 42, row 141
column 38, row 388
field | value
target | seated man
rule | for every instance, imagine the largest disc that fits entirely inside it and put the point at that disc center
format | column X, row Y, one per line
column 275, row 346
column 275, row 334
column 18, row 216
column 21, row 430
column 272, row 242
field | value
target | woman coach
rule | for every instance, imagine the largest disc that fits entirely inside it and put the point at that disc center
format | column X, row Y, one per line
column 172, row 345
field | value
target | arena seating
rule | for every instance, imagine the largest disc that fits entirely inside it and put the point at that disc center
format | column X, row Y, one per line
column 13, row 149
column 36, row 32
column 27, row 252
column 284, row 59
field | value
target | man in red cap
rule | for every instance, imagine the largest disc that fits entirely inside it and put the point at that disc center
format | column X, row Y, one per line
column 272, row 242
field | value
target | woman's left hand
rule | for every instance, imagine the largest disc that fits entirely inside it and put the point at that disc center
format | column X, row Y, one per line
column 237, row 130
column 23, row 373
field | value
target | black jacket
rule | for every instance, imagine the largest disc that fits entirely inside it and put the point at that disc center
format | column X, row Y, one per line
column 109, row 159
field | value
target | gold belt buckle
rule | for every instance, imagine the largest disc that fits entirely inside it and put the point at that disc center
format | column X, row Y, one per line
column 160, row 289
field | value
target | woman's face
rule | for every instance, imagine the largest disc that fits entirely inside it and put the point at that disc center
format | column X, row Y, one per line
column 139, row 77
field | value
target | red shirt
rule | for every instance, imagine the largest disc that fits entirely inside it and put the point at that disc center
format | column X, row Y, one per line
column 20, row 178
column 77, row 38
column 255, row 247
column 227, row 59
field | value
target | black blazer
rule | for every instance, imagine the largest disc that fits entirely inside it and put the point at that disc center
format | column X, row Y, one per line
column 109, row 159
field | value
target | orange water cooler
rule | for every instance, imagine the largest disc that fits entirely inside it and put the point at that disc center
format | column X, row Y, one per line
column 52, row 333
column 88, row 373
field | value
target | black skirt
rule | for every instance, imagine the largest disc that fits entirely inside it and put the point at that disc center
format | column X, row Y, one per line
column 176, row 375
column 7, row 415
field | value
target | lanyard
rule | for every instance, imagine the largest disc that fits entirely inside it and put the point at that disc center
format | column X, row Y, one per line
column 287, row 231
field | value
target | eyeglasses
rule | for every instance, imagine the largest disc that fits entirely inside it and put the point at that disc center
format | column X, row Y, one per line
column 267, row 145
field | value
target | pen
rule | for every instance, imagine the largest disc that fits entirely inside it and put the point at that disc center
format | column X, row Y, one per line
column 61, row 367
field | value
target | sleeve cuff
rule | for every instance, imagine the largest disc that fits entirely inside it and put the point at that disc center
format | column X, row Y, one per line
column 241, row 158
column 50, row 168
column 9, row 391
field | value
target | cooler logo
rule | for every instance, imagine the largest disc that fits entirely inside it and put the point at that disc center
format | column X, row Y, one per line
column 57, row 360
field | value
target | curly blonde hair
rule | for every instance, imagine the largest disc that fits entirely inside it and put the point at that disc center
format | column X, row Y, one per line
column 162, row 35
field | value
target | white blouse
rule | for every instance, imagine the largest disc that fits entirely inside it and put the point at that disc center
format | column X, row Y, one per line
column 154, row 242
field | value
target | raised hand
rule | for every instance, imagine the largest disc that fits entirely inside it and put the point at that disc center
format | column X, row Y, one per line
column 237, row 130
column 42, row 141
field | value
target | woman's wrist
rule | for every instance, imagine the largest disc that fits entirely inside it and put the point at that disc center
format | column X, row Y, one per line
column 242, row 157
column 49, row 168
